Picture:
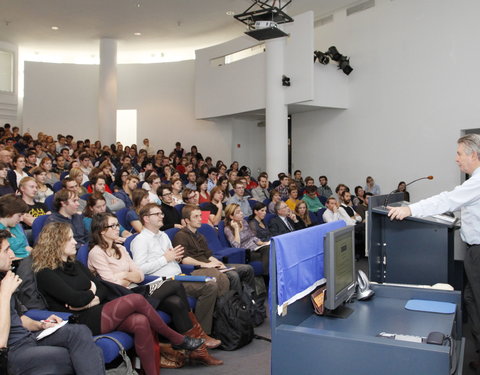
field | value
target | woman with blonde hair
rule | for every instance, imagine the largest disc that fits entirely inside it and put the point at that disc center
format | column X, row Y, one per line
column 69, row 286
column 77, row 175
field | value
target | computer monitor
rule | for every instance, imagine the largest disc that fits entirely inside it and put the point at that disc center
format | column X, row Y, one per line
column 339, row 270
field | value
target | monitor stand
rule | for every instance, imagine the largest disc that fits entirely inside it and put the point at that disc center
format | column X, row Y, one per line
column 341, row 312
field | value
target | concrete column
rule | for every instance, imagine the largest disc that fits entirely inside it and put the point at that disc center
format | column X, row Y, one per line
column 107, row 92
column 276, row 111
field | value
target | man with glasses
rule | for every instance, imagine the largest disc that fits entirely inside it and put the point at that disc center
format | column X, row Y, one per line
column 172, row 217
column 285, row 221
column 240, row 198
column 154, row 254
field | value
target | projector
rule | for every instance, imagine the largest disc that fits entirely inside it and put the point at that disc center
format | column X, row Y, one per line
column 265, row 24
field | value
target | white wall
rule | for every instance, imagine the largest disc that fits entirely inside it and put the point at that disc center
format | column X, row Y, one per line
column 8, row 100
column 163, row 95
column 415, row 85
column 61, row 98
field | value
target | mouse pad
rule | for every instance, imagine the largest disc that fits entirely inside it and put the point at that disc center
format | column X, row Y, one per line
column 430, row 306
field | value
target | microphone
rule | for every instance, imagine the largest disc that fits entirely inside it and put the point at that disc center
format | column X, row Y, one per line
column 411, row 182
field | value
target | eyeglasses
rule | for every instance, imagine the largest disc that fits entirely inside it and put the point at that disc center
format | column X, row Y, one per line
column 114, row 226
column 158, row 214
column 166, row 194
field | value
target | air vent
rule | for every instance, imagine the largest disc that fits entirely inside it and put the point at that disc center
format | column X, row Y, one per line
column 360, row 7
column 324, row 20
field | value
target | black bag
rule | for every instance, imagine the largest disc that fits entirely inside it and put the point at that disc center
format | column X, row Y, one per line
column 256, row 305
column 232, row 321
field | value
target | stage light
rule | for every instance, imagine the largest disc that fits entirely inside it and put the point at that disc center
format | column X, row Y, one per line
column 321, row 57
column 344, row 65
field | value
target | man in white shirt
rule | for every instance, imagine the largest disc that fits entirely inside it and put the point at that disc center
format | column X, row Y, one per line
column 154, row 254
column 331, row 214
column 465, row 197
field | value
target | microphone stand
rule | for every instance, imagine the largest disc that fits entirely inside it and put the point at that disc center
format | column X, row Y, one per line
column 385, row 202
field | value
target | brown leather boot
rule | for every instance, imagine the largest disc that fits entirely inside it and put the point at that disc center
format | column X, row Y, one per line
column 201, row 355
column 198, row 332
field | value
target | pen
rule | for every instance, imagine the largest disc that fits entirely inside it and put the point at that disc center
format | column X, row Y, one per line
column 47, row 321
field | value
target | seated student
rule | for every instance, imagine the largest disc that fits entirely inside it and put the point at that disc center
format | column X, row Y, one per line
column 240, row 197
column 12, row 209
column 324, row 190
column 154, row 182
column 359, row 196
column 5, row 186
column 125, row 193
column 17, row 172
column 331, row 214
column 292, row 200
column 177, row 187
column 260, row 193
column 44, row 190
column 303, row 215
column 114, row 204
column 215, row 207
column 257, row 223
column 202, row 186
column 339, row 191
column 72, row 185
column 284, row 221
column 240, row 235
column 28, row 189
column 197, row 252
column 120, row 176
column 282, row 188
column 371, row 186
column 348, row 214
column 77, row 175
column 112, row 263
column 95, row 205
column 68, row 285
column 402, row 188
column 154, row 254
column 63, row 352
column 190, row 196
column 66, row 207
column 172, row 217
column 311, row 199
column 223, row 183
column 362, row 208
column 140, row 199
column 275, row 197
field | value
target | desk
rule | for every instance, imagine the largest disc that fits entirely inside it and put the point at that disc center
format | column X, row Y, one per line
column 304, row 343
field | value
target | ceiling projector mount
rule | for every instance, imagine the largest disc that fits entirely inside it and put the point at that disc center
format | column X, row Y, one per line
column 262, row 19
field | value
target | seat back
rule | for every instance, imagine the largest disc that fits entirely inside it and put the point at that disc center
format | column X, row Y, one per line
column 57, row 186
column 179, row 208
column 49, row 202
column 128, row 243
column 320, row 215
column 221, row 234
column 38, row 225
column 171, row 232
column 211, row 235
column 82, row 254
column 121, row 215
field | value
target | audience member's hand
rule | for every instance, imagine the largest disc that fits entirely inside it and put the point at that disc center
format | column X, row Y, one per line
column 9, row 283
column 174, row 253
column 235, row 225
column 398, row 213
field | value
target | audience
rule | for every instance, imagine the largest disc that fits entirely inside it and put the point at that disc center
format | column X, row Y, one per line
column 324, row 190
column 260, row 193
column 311, row 199
column 301, row 210
column 257, row 224
column 69, row 286
column 371, row 187
column 172, row 219
column 5, row 186
column 240, row 198
column 284, row 221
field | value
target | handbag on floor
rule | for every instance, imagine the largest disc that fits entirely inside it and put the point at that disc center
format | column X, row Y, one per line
column 125, row 368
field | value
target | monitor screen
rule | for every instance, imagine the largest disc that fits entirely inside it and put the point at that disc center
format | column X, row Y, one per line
column 339, row 266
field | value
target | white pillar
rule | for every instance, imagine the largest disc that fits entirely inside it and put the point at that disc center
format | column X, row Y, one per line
column 107, row 91
column 276, row 111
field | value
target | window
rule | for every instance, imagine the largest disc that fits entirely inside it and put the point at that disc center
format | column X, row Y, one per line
column 127, row 126
column 6, row 71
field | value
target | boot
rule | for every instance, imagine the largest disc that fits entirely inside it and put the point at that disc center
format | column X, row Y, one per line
column 197, row 331
column 201, row 355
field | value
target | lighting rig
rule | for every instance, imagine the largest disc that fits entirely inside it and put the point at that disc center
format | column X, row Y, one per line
column 332, row 53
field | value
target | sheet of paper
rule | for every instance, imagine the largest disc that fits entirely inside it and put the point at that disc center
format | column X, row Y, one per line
column 49, row 331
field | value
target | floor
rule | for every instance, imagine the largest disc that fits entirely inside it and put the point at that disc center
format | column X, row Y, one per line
column 255, row 357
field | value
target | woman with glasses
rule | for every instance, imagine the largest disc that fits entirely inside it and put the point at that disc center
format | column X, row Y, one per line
column 69, row 286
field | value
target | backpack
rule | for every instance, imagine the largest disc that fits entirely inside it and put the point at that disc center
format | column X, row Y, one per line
column 232, row 321
column 255, row 304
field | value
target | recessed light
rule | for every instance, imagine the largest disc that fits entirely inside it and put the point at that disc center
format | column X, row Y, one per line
column 137, row 34
column 54, row 27
column 230, row 12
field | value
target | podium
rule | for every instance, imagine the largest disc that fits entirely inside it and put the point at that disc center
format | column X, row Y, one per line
column 411, row 251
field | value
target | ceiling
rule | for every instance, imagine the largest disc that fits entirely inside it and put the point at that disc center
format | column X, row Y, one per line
column 170, row 29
